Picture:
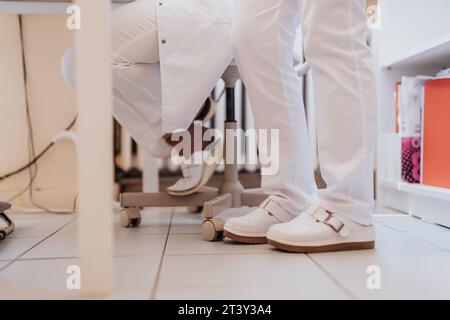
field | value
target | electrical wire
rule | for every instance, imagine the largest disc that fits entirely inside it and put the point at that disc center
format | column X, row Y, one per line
column 32, row 165
column 39, row 156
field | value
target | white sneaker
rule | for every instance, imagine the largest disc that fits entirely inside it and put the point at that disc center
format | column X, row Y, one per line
column 192, row 177
column 317, row 230
column 196, row 176
column 252, row 228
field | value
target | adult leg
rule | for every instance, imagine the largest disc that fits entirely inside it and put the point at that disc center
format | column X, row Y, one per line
column 137, row 88
column 136, row 72
column 137, row 76
column 335, row 35
column 263, row 36
column 335, row 38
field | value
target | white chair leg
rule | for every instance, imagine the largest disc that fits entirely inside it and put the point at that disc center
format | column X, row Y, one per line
column 95, row 221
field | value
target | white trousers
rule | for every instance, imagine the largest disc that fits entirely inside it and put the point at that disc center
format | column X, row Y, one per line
column 335, row 40
column 136, row 70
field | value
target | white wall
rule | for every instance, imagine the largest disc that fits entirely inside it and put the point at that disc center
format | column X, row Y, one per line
column 51, row 103
column 406, row 24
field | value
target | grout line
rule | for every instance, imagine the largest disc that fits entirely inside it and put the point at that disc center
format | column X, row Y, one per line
column 419, row 220
column 45, row 258
column 411, row 234
column 186, row 233
column 397, row 212
column 158, row 273
column 75, row 257
column 347, row 292
column 36, row 244
column 391, row 227
column 424, row 241
column 220, row 254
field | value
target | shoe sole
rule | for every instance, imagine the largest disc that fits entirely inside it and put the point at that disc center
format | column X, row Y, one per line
column 350, row 246
column 244, row 239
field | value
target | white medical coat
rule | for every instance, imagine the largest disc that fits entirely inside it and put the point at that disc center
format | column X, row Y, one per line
column 195, row 49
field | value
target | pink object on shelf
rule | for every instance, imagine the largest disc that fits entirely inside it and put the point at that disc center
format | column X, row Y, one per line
column 411, row 160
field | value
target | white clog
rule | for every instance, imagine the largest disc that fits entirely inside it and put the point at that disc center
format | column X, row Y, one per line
column 252, row 228
column 317, row 230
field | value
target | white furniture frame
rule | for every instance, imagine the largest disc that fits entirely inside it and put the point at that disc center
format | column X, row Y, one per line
column 413, row 39
column 95, row 169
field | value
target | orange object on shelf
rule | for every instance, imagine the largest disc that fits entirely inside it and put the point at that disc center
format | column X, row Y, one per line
column 436, row 134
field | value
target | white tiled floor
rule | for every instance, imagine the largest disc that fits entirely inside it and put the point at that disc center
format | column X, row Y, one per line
column 166, row 259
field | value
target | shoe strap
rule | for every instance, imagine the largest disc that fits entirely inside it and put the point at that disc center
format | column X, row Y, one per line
column 186, row 170
column 276, row 210
column 320, row 215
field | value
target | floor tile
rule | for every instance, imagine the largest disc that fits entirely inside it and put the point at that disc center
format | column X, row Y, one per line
column 3, row 264
column 404, row 275
column 411, row 255
column 438, row 239
column 38, row 224
column 134, row 278
column 406, row 223
column 136, row 244
column 154, row 221
column 11, row 248
column 188, row 244
column 127, row 242
column 184, row 222
column 388, row 239
column 384, row 210
column 190, row 223
column 258, row 276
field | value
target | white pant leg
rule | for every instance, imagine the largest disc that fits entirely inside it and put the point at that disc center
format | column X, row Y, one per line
column 136, row 71
column 263, row 37
column 135, row 33
column 335, row 39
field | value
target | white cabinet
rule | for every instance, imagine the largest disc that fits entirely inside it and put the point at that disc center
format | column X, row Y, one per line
column 413, row 39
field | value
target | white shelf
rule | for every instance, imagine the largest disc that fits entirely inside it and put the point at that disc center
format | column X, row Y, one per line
column 434, row 54
column 39, row 6
column 418, row 189
column 34, row 7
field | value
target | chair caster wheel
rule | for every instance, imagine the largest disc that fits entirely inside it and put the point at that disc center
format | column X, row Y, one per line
column 212, row 230
column 130, row 217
